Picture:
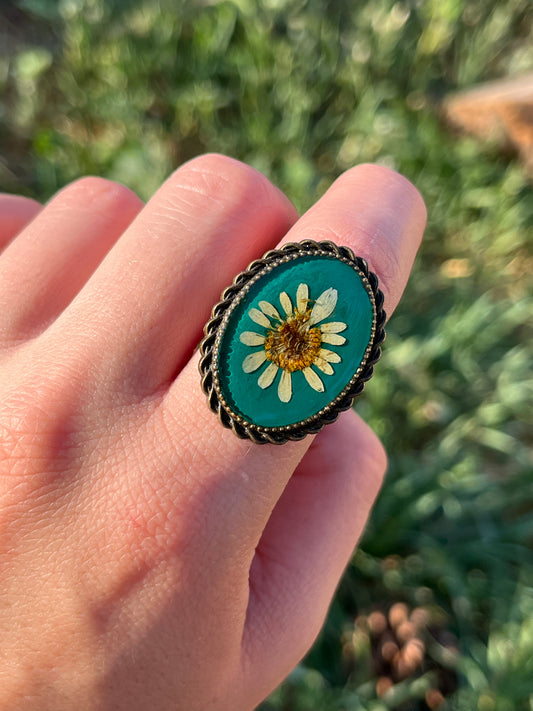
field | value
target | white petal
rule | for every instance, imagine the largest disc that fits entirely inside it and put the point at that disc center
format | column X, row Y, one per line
column 251, row 339
column 285, row 301
column 285, row 386
column 267, row 376
column 333, row 339
column 324, row 306
column 269, row 310
column 253, row 361
column 302, row 298
column 259, row 317
column 328, row 355
column 324, row 366
column 313, row 380
column 333, row 327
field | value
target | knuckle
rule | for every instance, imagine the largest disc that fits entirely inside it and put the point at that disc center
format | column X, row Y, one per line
column 93, row 189
column 121, row 196
column 220, row 167
column 36, row 434
column 387, row 178
column 223, row 179
column 89, row 185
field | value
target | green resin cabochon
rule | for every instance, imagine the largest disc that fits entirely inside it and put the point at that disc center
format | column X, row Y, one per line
column 354, row 307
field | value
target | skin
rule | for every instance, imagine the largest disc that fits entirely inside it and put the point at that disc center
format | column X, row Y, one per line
column 149, row 558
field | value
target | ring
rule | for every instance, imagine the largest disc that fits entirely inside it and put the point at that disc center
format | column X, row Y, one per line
column 292, row 342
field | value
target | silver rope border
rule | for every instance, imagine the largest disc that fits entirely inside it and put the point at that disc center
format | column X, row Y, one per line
column 215, row 327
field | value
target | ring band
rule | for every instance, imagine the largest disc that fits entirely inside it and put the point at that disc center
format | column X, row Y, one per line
column 292, row 342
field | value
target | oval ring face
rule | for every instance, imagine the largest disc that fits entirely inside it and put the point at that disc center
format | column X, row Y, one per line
column 291, row 342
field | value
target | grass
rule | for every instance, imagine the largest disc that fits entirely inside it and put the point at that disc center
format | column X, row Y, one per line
column 302, row 90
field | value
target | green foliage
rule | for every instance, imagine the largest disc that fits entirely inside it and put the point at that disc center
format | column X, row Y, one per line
column 302, row 90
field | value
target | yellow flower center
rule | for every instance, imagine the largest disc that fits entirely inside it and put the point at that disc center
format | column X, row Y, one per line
column 293, row 345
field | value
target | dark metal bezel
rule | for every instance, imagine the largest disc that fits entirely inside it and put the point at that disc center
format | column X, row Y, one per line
column 221, row 313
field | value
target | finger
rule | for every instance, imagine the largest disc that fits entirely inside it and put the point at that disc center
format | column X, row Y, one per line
column 350, row 214
column 306, row 546
column 15, row 213
column 44, row 268
column 205, row 224
column 376, row 212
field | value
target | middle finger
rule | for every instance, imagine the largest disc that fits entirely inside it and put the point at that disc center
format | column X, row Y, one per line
column 148, row 301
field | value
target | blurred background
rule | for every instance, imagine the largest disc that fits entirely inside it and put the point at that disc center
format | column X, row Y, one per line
column 435, row 610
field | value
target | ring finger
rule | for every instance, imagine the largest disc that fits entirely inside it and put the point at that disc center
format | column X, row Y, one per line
column 381, row 217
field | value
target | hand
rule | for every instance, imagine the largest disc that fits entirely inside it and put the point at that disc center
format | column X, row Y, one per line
column 149, row 558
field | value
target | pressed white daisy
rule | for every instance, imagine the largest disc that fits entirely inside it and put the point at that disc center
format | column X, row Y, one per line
column 293, row 339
